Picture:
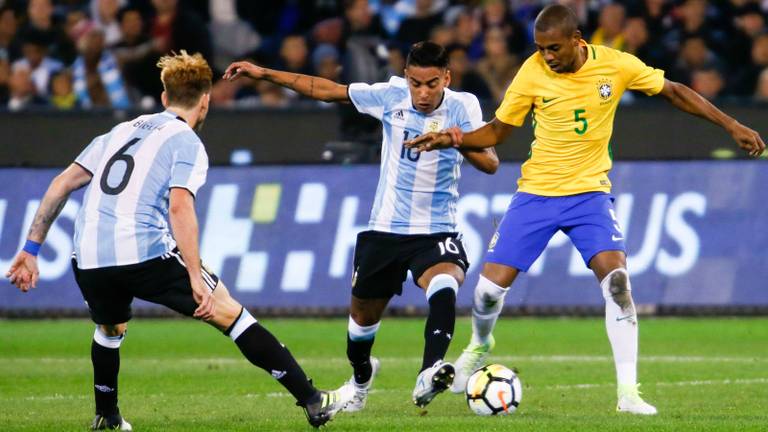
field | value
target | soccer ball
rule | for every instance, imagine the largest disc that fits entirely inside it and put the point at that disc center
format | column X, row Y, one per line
column 494, row 390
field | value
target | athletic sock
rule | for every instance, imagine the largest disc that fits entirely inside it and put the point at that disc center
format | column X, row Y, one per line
column 262, row 349
column 438, row 330
column 486, row 307
column 105, row 356
column 622, row 329
column 359, row 344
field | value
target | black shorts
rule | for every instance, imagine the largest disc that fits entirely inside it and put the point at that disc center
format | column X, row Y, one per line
column 382, row 260
column 164, row 280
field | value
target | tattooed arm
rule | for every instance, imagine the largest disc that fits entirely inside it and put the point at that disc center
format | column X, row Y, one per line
column 23, row 272
column 307, row 85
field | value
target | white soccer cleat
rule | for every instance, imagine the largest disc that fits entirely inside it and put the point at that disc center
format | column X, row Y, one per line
column 472, row 359
column 115, row 422
column 361, row 390
column 631, row 402
column 433, row 381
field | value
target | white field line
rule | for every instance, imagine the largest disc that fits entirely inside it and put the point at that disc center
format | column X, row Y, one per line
column 741, row 381
column 403, row 360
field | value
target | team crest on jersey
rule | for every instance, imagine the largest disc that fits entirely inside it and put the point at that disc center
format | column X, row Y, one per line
column 604, row 88
column 434, row 126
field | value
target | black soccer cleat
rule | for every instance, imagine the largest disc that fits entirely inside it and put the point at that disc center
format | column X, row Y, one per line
column 329, row 403
column 112, row 422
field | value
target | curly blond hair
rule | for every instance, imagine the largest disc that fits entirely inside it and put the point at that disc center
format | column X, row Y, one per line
column 185, row 78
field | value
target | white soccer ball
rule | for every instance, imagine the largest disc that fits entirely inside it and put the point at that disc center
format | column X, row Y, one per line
column 494, row 390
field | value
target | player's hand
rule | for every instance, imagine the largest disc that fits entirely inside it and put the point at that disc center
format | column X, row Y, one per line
column 23, row 271
column 204, row 298
column 243, row 68
column 748, row 139
column 432, row 141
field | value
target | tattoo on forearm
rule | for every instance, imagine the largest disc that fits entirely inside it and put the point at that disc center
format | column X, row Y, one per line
column 311, row 87
column 46, row 214
column 295, row 80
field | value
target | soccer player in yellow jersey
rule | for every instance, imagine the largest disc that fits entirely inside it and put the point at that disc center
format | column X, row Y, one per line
column 574, row 89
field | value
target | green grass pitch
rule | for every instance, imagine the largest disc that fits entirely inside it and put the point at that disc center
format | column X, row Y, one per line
column 180, row 375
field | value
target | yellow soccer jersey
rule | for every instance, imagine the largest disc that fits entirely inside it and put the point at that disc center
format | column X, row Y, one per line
column 573, row 118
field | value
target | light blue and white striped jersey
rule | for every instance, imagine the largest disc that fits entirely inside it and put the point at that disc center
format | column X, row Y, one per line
column 123, row 218
column 417, row 192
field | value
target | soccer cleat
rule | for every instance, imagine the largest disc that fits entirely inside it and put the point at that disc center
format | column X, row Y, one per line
column 472, row 359
column 113, row 422
column 331, row 402
column 432, row 381
column 361, row 390
column 631, row 402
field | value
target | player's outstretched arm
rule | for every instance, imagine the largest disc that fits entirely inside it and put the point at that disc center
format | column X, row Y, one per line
column 685, row 99
column 307, row 85
column 181, row 212
column 23, row 271
column 489, row 135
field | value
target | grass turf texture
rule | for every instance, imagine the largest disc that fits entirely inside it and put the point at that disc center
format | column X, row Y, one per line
column 180, row 375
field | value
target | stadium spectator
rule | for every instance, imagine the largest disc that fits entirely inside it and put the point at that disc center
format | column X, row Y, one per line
column 418, row 27
column 63, row 95
column 498, row 67
column 708, row 82
column 395, row 62
column 693, row 21
column 748, row 23
column 442, row 35
column 105, row 16
column 495, row 15
column 5, row 75
column 97, row 79
column 176, row 28
column 325, row 61
column 40, row 19
column 611, row 23
column 9, row 43
column 362, row 37
column 35, row 59
column 232, row 37
column 694, row 55
column 761, row 93
column 136, row 54
column 745, row 80
column 22, row 92
column 463, row 77
column 294, row 55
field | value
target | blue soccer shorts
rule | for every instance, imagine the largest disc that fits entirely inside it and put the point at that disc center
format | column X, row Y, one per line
column 531, row 220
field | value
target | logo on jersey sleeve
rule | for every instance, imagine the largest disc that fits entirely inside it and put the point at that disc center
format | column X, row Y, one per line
column 604, row 88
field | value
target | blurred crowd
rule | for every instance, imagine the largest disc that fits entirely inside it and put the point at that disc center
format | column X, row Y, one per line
column 68, row 54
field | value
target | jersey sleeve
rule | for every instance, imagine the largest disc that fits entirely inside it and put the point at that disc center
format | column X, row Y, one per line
column 474, row 117
column 369, row 98
column 91, row 155
column 640, row 76
column 518, row 99
column 189, row 166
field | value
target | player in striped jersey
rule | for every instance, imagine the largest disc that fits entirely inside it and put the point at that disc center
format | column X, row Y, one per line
column 413, row 220
column 144, row 171
column 574, row 90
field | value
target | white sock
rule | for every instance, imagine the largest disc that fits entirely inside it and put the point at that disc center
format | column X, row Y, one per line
column 621, row 325
column 487, row 305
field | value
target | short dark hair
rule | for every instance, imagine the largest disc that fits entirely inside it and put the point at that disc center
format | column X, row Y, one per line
column 427, row 54
column 559, row 17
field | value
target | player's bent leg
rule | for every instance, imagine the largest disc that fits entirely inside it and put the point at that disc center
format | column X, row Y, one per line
column 441, row 284
column 263, row 350
column 364, row 321
column 488, row 301
column 621, row 326
column 105, row 356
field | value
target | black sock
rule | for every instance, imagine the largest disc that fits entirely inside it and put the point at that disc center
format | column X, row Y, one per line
column 359, row 355
column 106, row 366
column 262, row 349
column 439, row 328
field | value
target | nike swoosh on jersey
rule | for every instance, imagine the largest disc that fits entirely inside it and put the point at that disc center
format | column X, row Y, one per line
column 545, row 100
column 616, row 238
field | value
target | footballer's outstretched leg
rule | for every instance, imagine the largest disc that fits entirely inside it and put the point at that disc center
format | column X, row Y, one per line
column 105, row 356
column 432, row 381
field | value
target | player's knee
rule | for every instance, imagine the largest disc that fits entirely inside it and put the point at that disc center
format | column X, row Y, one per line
column 441, row 282
column 616, row 286
column 489, row 297
column 358, row 332
column 110, row 335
